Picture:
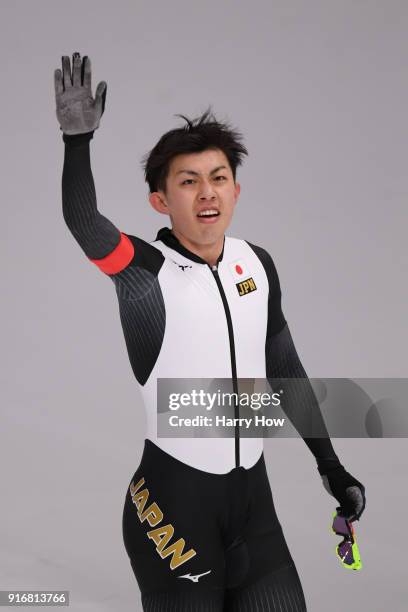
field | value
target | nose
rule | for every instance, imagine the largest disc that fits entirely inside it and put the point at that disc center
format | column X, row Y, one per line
column 207, row 192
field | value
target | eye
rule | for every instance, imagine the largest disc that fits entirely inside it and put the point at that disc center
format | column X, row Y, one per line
column 220, row 176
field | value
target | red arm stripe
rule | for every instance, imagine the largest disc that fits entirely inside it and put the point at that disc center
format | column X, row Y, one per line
column 118, row 259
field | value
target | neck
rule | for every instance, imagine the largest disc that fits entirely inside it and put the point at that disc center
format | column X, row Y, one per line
column 209, row 252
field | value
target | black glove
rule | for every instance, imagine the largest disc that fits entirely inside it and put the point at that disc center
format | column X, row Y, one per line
column 77, row 111
column 348, row 491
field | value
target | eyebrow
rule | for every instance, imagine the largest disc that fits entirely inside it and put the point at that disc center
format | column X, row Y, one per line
column 198, row 173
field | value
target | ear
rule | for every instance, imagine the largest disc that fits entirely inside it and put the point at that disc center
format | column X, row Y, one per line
column 158, row 203
column 237, row 191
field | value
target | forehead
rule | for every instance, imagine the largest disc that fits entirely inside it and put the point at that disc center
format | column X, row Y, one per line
column 202, row 162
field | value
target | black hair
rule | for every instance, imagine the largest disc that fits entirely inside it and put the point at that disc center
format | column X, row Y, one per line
column 199, row 134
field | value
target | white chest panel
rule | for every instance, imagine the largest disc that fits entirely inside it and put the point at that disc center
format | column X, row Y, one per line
column 196, row 341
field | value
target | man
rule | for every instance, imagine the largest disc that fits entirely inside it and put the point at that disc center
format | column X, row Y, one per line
column 199, row 522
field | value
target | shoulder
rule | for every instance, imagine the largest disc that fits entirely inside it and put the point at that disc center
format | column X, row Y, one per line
column 267, row 261
column 145, row 254
column 241, row 246
column 259, row 251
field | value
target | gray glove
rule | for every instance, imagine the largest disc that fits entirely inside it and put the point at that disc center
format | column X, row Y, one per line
column 77, row 111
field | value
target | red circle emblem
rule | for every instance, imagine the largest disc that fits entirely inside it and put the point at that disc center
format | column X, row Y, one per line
column 238, row 269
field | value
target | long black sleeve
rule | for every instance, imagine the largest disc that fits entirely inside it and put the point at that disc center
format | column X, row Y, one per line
column 285, row 372
column 96, row 235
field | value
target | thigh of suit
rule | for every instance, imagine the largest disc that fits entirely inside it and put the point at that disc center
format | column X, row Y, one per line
column 278, row 591
column 198, row 537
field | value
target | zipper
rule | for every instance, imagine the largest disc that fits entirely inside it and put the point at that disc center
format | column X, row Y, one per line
column 214, row 270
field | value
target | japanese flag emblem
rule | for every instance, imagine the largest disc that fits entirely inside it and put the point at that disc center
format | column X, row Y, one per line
column 239, row 270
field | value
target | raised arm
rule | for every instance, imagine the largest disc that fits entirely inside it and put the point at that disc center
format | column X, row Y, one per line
column 79, row 115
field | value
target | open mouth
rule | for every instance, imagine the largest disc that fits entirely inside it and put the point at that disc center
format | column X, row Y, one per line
column 208, row 214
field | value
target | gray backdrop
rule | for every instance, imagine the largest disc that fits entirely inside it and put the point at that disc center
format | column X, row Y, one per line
column 319, row 90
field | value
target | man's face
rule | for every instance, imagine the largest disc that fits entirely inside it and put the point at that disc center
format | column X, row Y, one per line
column 198, row 182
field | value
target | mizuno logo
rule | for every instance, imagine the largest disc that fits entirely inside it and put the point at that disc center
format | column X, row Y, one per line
column 194, row 578
column 181, row 266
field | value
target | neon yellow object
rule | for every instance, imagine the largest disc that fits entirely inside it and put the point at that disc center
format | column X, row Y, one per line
column 347, row 551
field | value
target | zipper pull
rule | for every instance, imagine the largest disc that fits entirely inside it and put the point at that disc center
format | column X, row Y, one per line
column 214, row 268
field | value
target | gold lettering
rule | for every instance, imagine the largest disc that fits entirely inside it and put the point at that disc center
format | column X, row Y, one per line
column 246, row 286
column 161, row 536
column 134, row 488
column 153, row 514
column 140, row 499
column 176, row 549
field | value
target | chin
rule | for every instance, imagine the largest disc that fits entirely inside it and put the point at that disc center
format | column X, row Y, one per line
column 211, row 234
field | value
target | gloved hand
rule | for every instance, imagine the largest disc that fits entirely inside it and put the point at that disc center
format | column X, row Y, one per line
column 348, row 491
column 77, row 111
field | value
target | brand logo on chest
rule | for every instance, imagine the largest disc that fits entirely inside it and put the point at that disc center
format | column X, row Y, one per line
column 181, row 266
column 241, row 273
